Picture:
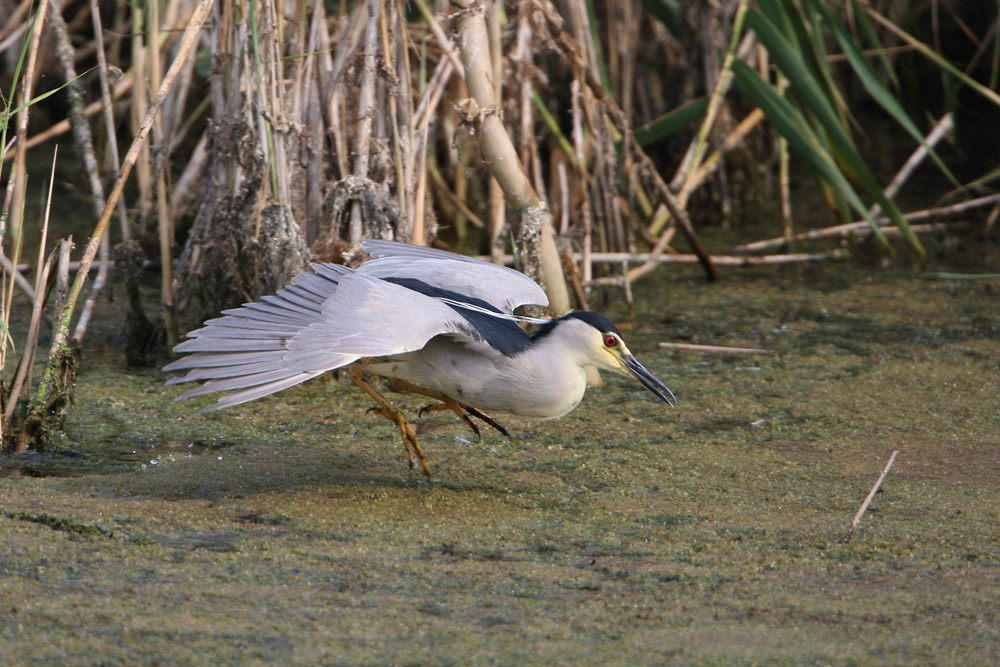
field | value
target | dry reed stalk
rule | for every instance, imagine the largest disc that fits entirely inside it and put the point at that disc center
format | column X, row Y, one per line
column 84, row 143
column 685, row 258
column 455, row 199
column 59, row 354
column 164, row 220
column 21, row 375
column 868, row 499
column 17, row 182
column 447, row 47
column 389, row 57
column 107, row 108
column 586, row 215
column 859, row 226
column 712, row 349
column 497, row 206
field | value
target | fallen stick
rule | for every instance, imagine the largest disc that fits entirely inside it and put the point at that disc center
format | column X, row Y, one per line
column 838, row 230
column 714, row 349
column 868, row 500
column 678, row 258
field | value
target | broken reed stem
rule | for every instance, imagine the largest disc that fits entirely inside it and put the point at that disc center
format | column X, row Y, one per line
column 860, row 226
column 41, row 396
column 940, row 129
column 871, row 494
column 713, row 349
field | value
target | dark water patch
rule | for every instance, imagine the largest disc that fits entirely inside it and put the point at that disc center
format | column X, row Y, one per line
column 57, row 462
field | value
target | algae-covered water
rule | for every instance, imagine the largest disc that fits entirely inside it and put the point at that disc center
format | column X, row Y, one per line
column 290, row 530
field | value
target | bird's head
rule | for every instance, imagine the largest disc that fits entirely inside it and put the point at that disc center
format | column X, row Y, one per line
column 594, row 340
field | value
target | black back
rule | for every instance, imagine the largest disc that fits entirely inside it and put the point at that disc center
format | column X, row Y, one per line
column 503, row 335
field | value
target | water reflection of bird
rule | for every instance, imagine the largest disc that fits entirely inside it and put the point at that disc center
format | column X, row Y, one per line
column 435, row 323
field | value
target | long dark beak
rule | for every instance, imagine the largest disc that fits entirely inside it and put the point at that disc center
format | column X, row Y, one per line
column 648, row 380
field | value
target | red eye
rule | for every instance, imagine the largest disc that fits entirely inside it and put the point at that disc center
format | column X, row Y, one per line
column 610, row 341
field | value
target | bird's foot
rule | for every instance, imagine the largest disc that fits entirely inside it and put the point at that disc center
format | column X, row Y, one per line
column 457, row 409
column 389, row 411
column 489, row 420
column 464, row 411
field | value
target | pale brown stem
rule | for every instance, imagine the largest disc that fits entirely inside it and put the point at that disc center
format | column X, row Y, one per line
column 868, row 498
column 64, row 126
column 17, row 181
column 108, row 109
column 722, row 260
column 712, row 349
column 859, row 227
column 940, row 129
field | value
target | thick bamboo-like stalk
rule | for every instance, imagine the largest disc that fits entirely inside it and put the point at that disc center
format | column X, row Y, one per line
column 58, row 351
column 535, row 238
column 497, row 207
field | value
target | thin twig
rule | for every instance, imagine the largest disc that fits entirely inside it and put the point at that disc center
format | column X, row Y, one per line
column 871, row 494
column 722, row 260
column 860, row 226
column 713, row 349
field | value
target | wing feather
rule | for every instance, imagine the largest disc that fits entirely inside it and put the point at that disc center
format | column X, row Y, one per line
column 497, row 285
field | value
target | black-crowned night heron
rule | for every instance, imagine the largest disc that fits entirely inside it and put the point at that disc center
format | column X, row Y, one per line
column 434, row 323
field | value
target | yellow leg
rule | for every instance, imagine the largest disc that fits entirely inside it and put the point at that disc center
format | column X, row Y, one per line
column 393, row 414
column 449, row 403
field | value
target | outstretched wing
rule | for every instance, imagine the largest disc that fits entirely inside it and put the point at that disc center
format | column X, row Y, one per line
column 499, row 286
column 325, row 319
